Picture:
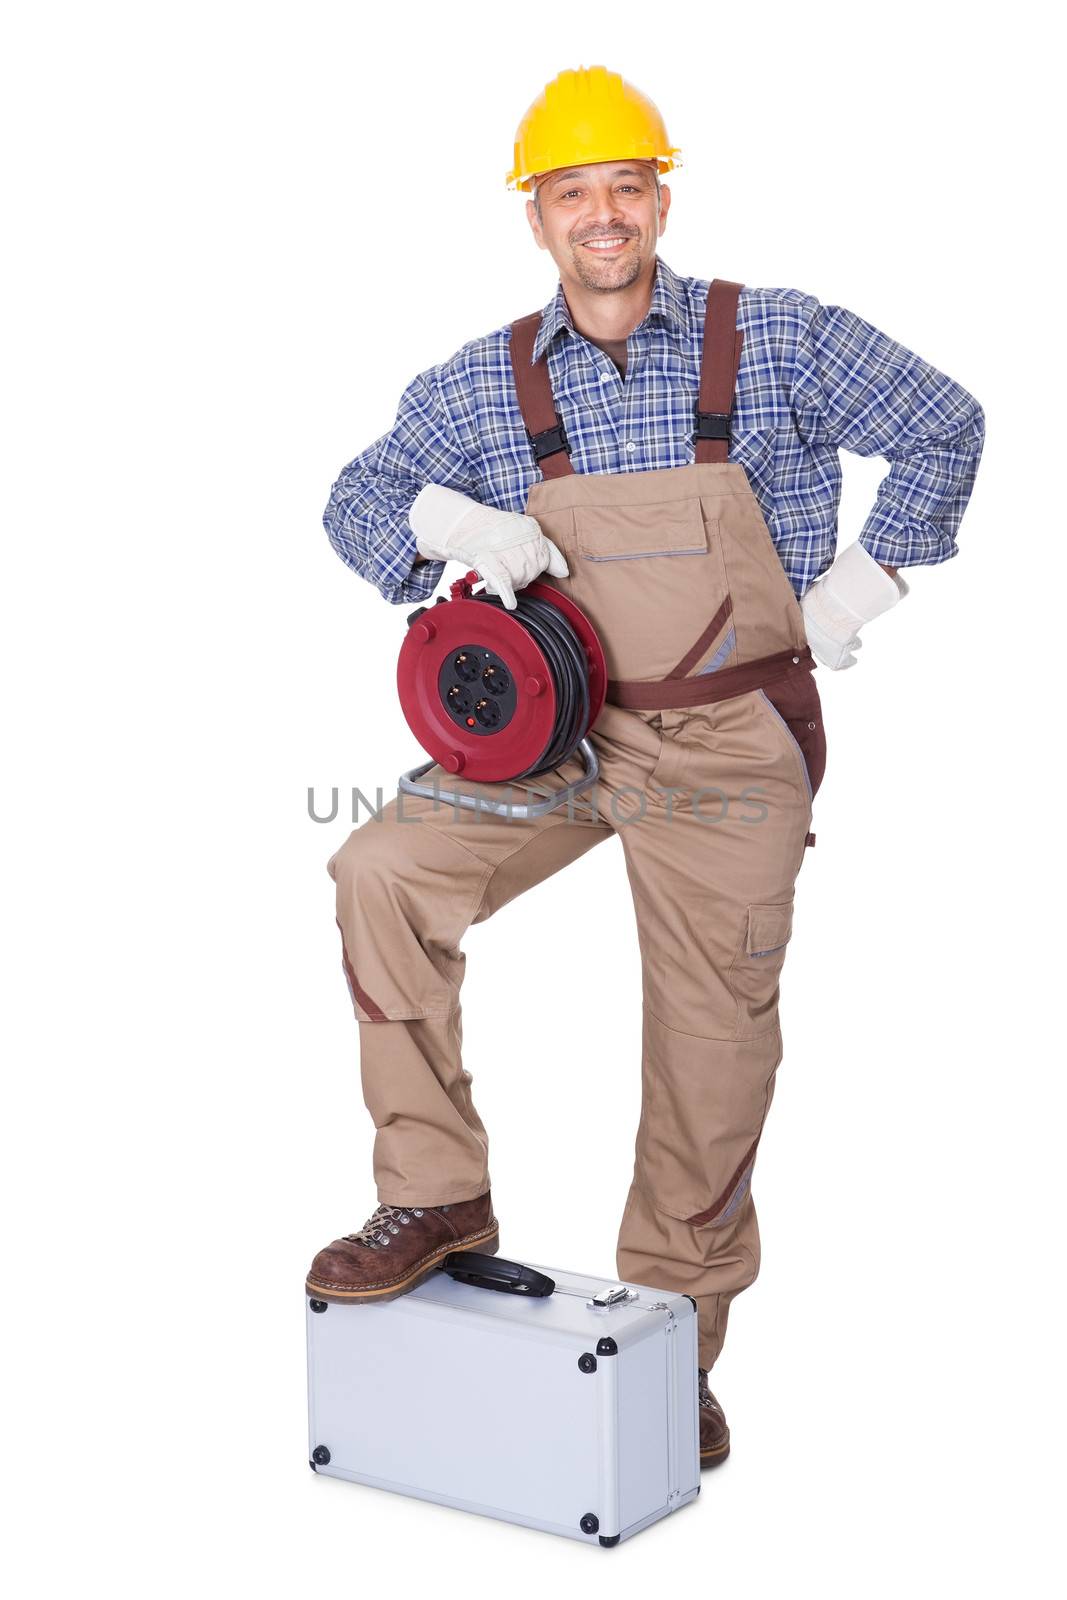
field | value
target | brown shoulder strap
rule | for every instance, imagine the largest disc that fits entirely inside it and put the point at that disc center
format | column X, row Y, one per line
column 719, row 362
column 534, row 389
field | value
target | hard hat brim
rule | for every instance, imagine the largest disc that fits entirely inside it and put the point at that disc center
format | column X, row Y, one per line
column 526, row 181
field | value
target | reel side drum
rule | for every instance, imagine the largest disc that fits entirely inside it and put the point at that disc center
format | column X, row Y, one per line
column 499, row 696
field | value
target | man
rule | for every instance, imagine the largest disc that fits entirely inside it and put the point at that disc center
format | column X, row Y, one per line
column 665, row 451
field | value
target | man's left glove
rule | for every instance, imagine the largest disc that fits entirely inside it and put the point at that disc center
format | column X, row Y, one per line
column 506, row 548
column 855, row 590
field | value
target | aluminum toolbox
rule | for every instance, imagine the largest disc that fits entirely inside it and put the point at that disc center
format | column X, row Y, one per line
column 572, row 1409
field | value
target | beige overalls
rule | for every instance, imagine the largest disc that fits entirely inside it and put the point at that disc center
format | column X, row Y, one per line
column 710, row 748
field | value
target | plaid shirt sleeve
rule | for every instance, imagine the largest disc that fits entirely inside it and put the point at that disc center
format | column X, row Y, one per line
column 366, row 518
column 858, row 390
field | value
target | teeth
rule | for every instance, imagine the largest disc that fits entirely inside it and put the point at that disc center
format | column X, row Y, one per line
column 602, row 244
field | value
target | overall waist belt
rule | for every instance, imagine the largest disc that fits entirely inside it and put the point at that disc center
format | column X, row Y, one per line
column 662, row 694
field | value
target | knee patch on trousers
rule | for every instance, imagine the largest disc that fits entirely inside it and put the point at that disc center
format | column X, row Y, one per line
column 729, row 1202
column 367, row 1009
column 405, row 894
column 704, row 1102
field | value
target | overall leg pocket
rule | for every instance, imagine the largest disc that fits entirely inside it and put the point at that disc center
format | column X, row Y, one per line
column 757, row 966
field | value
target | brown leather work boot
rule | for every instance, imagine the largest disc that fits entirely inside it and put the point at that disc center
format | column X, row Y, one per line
column 714, row 1434
column 398, row 1247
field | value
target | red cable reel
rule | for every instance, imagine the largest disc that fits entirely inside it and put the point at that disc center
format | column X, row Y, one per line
column 501, row 696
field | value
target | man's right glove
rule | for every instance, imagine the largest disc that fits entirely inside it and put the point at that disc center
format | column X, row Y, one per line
column 855, row 590
column 505, row 548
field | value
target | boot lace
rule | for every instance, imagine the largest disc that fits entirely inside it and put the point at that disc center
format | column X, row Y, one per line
column 382, row 1224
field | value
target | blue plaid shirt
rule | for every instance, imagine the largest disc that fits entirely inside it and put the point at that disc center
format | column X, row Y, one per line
column 813, row 379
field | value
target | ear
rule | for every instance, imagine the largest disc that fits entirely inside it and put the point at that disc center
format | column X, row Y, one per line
column 664, row 205
column 535, row 226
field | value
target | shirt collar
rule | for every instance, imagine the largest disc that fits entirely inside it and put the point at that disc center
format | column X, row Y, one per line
column 668, row 306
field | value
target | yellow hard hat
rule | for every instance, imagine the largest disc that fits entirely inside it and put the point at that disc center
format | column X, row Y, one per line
column 585, row 116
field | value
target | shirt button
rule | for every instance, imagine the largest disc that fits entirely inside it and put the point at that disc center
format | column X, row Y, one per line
column 630, row 447
column 606, row 377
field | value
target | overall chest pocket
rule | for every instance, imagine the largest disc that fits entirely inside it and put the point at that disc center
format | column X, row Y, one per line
column 637, row 532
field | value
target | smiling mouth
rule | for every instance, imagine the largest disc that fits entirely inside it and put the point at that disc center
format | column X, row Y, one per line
column 605, row 246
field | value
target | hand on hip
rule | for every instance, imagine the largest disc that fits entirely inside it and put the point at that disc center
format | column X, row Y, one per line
column 855, row 590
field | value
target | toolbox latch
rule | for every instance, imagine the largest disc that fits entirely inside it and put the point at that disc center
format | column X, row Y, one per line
column 616, row 1295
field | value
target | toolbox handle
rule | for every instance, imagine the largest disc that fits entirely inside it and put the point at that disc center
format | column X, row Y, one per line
column 494, row 1272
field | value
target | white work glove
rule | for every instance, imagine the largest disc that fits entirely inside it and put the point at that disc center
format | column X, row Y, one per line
column 855, row 590
column 505, row 548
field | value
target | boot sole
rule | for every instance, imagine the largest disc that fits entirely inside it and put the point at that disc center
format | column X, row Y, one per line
column 487, row 1243
column 716, row 1457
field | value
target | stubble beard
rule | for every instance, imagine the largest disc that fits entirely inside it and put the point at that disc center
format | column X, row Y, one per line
column 611, row 276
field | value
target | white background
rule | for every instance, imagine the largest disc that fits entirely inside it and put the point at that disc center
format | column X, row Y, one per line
column 236, row 232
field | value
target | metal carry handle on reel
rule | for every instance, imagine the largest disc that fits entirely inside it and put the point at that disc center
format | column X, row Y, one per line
column 501, row 696
column 504, row 808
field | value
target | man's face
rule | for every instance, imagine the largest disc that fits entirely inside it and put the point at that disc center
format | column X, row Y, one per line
column 600, row 223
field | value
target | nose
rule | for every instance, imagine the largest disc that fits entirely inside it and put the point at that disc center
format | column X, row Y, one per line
column 605, row 212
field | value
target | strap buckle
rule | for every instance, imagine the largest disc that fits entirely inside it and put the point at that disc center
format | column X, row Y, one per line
column 712, row 425
column 548, row 442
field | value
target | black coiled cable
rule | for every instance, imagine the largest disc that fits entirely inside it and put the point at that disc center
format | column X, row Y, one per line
column 565, row 654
